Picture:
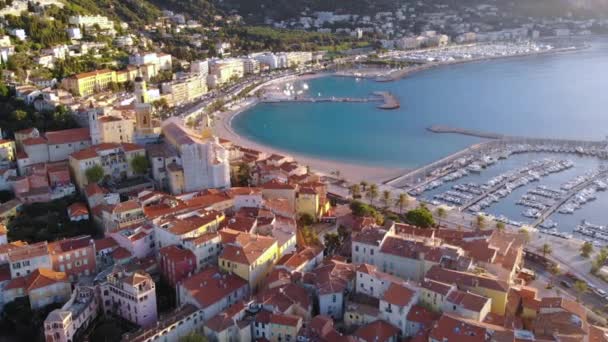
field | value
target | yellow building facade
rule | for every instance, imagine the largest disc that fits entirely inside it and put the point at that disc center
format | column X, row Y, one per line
column 251, row 257
column 7, row 150
column 89, row 83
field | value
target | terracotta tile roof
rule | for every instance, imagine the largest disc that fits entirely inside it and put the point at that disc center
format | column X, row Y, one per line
column 598, row 334
column 39, row 278
column 563, row 303
column 436, row 286
column 226, row 318
column 370, row 236
column 77, row 209
column 84, row 154
column 468, row 300
column 466, row 279
column 43, row 277
column 129, row 205
column 562, row 322
column 247, row 248
column 68, row 136
column 279, row 205
column 450, row 328
column 244, row 191
column 240, row 223
column 201, row 239
column 283, row 298
column 296, row 260
column 378, row 331
column 287, row 320
column 94, row 151
column 331, row 277
column 210, row 286
column 28, row 251
column 205, row 200
column 94, row 189
column 70, row 244
column 136, row 278
column 34, row 141
column 422, row 315
column 105, row 243
column 181, row 226
column 399, row 295
column 121, row 253
column 176, row 253
column 277, row 185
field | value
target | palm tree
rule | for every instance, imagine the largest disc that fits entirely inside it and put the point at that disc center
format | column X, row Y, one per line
column 500, row 226
column 525, row 234
column 386, row 198
column 355, row 190
column 554, row 270
column 440, row 211
column 586, row 249
column 580, row 287
column 372, row 193
column 546, row 249
column 364, row 185
column 401, row 202
column 481, row 221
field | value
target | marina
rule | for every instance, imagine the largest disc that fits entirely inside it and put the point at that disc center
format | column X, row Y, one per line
column 452, row 145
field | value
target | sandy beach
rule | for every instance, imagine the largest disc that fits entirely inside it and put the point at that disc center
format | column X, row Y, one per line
column 349, row 171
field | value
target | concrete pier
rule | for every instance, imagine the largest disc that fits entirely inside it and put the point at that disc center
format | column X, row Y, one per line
column 390, row 101
column 326, row 99
column 429, row 172
column 464, row 131
column 549, row 211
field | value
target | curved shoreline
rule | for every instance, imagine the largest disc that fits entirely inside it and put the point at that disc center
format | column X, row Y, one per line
column 352, row 171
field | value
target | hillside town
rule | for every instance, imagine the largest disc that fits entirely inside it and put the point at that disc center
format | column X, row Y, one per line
column 125, row 215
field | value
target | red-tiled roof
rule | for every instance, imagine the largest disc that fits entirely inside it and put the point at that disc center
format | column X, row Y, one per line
column 436, row 286
column 247, row 248
column 276, row 185
column 34, row 141
column 467, row 300
column 378, row 331
column 40, row 278
column 449, row 328
column 28, row 252
column 94, row 189
column 210, row 286
column 68, row 136
column 121, row 253
column 70, row 244
column 176, row 253
column 77, row 209
column 399, row 295
column 105, row 243
column 466, row 279
column 287, row 320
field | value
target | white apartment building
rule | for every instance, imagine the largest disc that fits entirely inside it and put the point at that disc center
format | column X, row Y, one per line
column 74, row 317
column 131, row 296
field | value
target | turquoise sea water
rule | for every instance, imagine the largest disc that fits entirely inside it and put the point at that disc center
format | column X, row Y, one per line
column 559, row 95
